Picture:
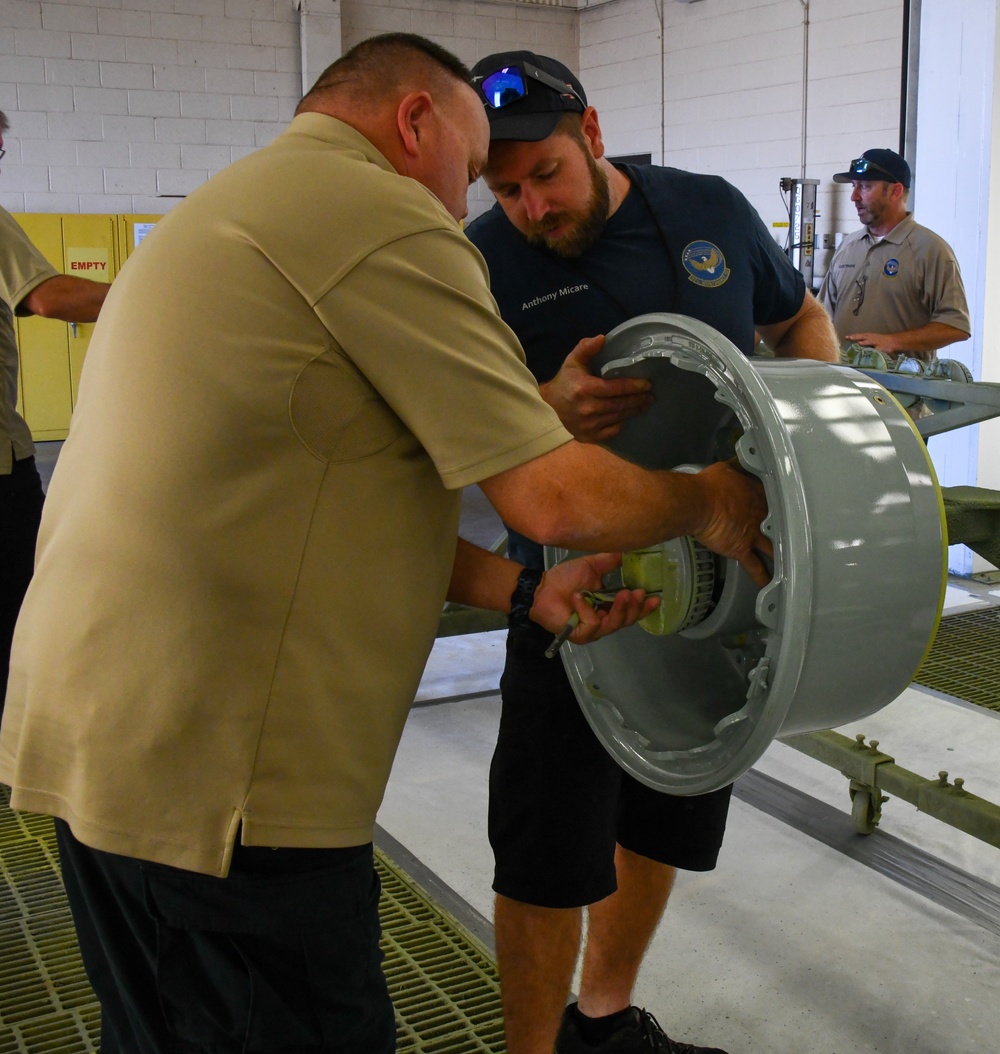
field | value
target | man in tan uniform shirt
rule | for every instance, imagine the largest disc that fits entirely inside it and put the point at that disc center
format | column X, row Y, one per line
column 29, row 285
column 248, row 539
column 894, row 286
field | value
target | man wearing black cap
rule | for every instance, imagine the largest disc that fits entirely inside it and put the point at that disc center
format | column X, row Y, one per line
column 894, row 286
column 575, row 246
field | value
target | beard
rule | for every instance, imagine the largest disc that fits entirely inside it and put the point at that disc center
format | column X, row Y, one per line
column 872, row 212
column 583, row 226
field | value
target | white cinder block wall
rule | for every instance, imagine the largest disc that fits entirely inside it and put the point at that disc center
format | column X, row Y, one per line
column 732, row 91
column 125, row 105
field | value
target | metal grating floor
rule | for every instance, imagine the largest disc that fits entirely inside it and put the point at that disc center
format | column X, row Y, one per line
column 965, row 659
column 443, row 983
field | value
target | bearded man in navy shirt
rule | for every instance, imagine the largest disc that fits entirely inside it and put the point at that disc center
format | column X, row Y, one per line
column 576, row 245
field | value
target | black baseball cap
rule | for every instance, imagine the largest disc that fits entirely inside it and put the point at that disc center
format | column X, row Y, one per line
column 525, row 94
column 881, row 164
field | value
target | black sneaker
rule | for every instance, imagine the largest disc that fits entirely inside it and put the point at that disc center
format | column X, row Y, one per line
column 640, row 1034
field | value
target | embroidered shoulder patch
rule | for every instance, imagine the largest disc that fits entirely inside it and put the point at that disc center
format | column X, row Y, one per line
column 705, row 264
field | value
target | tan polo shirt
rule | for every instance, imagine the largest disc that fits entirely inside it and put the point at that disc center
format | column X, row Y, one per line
column 903, row 281
column 249, row 533
column 22, row 269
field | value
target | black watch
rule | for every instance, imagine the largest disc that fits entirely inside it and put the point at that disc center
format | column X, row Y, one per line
column 523, row 596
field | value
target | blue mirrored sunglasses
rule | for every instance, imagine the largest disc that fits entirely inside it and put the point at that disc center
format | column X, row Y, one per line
column 861, row 166
column 510, row 84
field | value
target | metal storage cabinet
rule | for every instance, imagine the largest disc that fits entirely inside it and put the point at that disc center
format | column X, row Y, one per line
column 51, row 353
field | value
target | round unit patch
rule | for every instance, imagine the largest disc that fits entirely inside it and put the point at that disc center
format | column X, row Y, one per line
column 891, row 268
column 705, row 264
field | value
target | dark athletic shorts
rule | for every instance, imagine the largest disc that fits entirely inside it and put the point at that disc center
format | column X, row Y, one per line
column 559, row 802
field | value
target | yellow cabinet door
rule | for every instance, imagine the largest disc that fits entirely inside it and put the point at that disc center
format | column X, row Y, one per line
column 43, row 346
column 131, row 231
column 51, row 353
column 90, row 250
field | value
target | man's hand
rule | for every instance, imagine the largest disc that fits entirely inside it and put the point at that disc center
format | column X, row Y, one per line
column 559, row 595
column 591, row 408
column 736, row 508
column 920, row 343
column 883, row 342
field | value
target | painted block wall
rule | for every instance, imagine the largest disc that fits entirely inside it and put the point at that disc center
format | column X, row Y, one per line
column 128, row 105
column 125, row 105
column 958, row 63
column 732, row 91
column 989, row 432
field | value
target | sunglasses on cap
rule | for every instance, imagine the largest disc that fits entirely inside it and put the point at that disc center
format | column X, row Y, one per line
column 861, row 166
column 510, row 84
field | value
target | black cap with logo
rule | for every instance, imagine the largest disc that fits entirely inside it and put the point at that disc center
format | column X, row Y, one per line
column 525, row 94
column 881, row 164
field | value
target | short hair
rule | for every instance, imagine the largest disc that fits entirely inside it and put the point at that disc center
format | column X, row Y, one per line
column 4, row 123
column 380, row 65
column 571, row 124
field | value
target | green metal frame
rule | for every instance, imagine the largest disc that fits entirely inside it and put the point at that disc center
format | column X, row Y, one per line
column 871, row 771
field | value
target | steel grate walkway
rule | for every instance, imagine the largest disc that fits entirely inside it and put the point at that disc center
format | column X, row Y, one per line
column 443, row 983
column 46, row 1005
column 965, row 659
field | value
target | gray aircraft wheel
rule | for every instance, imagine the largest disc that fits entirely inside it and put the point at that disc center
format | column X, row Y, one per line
column 688, row 700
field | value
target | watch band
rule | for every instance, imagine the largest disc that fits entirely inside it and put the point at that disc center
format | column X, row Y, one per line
column 523, row 596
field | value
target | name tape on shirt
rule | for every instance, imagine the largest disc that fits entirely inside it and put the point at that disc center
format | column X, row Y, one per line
column 544, row 298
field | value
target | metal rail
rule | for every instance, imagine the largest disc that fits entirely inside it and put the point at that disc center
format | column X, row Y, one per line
column 871, row 772
column 956, row 403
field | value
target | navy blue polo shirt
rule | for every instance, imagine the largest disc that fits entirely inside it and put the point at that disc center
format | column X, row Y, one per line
column 679, row 242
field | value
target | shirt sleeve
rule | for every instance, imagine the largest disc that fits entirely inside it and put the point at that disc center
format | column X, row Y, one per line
column 416, row 317
column 779, row 288
column 944, row 289
column 22, row 267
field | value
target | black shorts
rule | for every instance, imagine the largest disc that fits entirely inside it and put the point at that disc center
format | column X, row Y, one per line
column 559, row 802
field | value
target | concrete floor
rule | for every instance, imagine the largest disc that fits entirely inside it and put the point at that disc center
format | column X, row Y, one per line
column 46, row 455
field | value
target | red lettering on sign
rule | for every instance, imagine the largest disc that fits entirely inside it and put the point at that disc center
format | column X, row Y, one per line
column 88, row 265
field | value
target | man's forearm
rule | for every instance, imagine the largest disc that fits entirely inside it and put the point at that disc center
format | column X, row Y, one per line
column 482, row 579
column 584, row 497
column 809, row 335
column 921, row 342
column 67, row 298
